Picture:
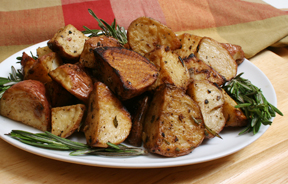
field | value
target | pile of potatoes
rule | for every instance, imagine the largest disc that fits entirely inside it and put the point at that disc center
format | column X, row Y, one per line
column 160, row 89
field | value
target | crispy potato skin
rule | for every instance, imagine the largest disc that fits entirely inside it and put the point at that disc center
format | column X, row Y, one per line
column 189, row 44
column 170, row 67
column 137, row 107
column 26, row 63
column 87, row 58
column 169, row 128
column 27, row 103
column 235, row 51
column 66, row 120
column 234, row 116
column 58, row 95
column 74, row 79
column 107, row 120
column 198, row 70
column 127, row 73
column 145, row 34
column 210, row 100
column 68, row 42
column 215, row 55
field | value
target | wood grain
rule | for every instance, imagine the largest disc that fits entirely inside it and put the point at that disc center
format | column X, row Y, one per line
column 264, row 161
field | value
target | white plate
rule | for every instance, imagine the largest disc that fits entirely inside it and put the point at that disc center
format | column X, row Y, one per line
column 208, row 150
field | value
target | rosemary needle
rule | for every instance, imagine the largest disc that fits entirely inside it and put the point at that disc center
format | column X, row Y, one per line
column 49, row 141
column 113, row 30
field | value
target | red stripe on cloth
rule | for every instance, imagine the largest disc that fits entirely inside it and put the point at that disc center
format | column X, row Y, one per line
column 126, row 12
column 32, row 26
column 77, row 13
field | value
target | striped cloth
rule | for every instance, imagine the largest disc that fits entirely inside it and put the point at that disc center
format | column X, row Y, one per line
column 252, row 24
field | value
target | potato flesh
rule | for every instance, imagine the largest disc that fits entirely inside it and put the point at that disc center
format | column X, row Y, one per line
column 145, row 34
column 216, row 56
column 171, row 70
column 27, row 103
column 169, row 128
column 68, row 42
column 107, row 120
column 65, row 120
column 210, row 100
column 198, row 70
column 189, row 45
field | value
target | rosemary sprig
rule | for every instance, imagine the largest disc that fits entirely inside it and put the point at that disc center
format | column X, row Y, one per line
column 113, row 30
column 14, row 77
column 49, row 141
column 253, row 103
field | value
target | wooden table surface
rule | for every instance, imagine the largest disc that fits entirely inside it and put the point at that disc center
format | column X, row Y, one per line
column 264, row 161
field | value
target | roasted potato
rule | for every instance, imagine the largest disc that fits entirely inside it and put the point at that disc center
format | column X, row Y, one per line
column 68, row 42
column 107, row 120
column 171, row 68
column 58, row 95
column 198, row 70
column 42, row 66
column 41, row 51
column 137, row 107
column 27, row 103
column 66, row 120
column 26, row 63
column 189, row 44
column 145, row 34
column 173, row 124
column 127, row 73
column 215, row 55
column 234, row 116
column 74, row 79
column 235, row 51
column 87, row 58
column 210, row 100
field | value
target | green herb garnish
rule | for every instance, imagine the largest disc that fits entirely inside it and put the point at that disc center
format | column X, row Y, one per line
column 49, row 141
column 113, row 30
column 252, row 102
column 14, row 77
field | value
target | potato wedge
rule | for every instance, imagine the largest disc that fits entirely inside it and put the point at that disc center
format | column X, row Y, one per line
column 42, row 66
column 68, row 42
column 26, row 63
column 107, row 120
column 66, row 120
column 235, row 51
column 170, row 67
column 198, row 70
column 173, row 124
column 27, row 103
column 127, row 73
column 216, row 56
column 87, row 58
column 73, row 78
column 210, row 100
column 234, row 116
column 189, row 45
column 137, row 107
column 58, row 95
column 41, row 51
column 145, row 34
